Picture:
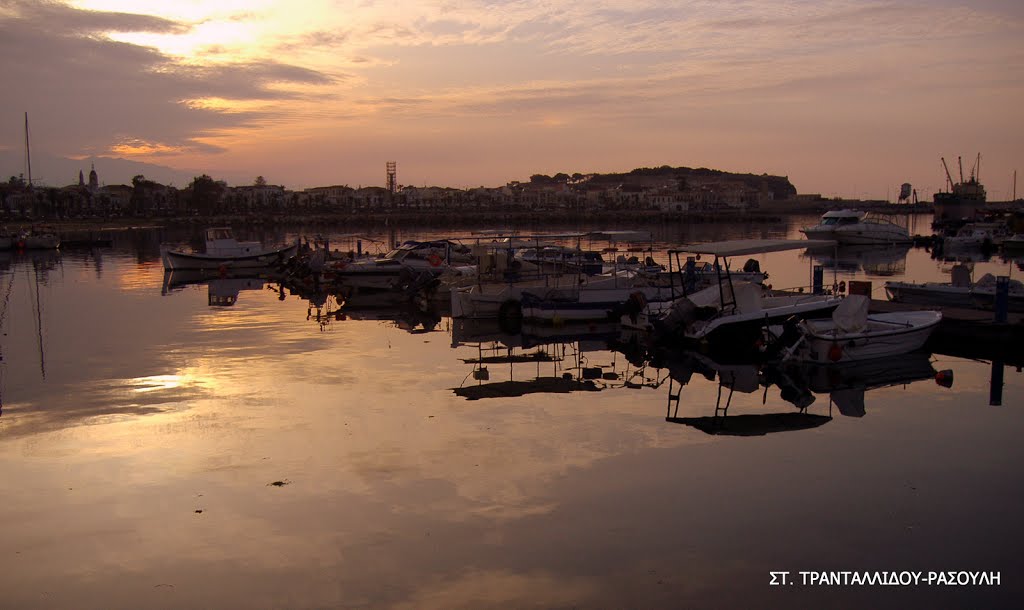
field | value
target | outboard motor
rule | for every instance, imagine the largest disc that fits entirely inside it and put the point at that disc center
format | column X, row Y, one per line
column 790, row 335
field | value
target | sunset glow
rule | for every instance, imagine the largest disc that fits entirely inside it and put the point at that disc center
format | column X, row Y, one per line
column 846, row 98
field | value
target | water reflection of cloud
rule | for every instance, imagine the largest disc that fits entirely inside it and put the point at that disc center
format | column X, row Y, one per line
column 104, row 401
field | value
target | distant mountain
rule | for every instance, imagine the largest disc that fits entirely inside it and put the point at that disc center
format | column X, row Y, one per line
column 48, row 170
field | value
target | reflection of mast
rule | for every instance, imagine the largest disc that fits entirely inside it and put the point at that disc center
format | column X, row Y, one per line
column 38, row 307
column 3, row 319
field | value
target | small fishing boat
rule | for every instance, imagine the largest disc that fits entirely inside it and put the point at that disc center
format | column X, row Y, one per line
column 977, row 235
column 855, row 227
column 223, row 251
column 960, row 292
column 852, row 335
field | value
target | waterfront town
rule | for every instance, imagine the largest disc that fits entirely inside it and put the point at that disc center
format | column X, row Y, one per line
column 665, row 190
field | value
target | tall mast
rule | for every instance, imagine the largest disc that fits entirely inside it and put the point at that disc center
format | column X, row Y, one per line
column 960, row 162
column 977, row 169
column 28, row 153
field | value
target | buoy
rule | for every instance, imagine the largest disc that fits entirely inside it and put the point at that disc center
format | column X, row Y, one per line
column 944, row 378
column 835, row 352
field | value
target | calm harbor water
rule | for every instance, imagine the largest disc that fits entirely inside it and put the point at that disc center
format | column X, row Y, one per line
column 160, row 451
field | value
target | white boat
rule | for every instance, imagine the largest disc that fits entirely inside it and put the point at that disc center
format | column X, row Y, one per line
column 852, row 335
column 960, row 292
column 730, row 315
column 223, row 251
column 855, row 227
column 596, row 299
column 977, row 235
column 408, row 260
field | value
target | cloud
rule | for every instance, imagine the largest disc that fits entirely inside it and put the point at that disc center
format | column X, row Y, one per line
column 88, row 94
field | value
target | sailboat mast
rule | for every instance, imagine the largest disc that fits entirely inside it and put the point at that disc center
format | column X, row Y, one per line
column 28, row 153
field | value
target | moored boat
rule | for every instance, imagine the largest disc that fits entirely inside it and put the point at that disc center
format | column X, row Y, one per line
column 729, row 315
column 852, row 335
column 857, row 228
column 960, row 292
column 223, row 251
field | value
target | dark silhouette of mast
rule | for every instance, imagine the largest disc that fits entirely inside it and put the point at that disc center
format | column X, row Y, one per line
column 28, row 153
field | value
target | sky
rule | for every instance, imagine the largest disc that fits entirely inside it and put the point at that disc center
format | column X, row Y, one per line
column 847, row 98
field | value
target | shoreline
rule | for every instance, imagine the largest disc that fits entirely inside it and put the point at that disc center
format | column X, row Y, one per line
column 449, row 218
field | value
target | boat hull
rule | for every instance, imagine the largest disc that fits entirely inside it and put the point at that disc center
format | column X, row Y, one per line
column 851, row 236
column 178, row 260
column 885, row 335
column 945, row 295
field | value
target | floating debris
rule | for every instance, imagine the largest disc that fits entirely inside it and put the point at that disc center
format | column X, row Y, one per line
column 280, row 483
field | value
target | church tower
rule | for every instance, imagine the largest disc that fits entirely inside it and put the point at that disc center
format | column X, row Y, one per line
column 94, row 180
column 81, row 178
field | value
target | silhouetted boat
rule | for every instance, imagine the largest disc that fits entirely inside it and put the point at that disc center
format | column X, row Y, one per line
column 223, row 251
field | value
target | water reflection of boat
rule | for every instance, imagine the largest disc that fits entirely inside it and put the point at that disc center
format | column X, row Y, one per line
column 741, row 377
column 846, row 384
column 221, row 291
column 559, row 365
column 798, row 384
column 878, row 261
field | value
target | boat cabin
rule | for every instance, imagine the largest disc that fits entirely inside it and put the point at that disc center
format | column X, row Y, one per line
column 837, row 218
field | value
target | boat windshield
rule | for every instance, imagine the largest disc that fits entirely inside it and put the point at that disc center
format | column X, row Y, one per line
column 217, row 234
column 837, row 221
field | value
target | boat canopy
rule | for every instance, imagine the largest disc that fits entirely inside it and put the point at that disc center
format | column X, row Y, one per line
column 741, row 247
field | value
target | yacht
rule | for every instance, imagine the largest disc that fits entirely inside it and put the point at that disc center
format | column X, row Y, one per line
column 854, row 227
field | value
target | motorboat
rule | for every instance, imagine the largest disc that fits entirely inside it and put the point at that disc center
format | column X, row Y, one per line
column 855, row 227
column 730, row 314
column 977, row 235
column 225, row 252
column 410, row 259
column 594, row 300
column 960, row 292
column 852, row 335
